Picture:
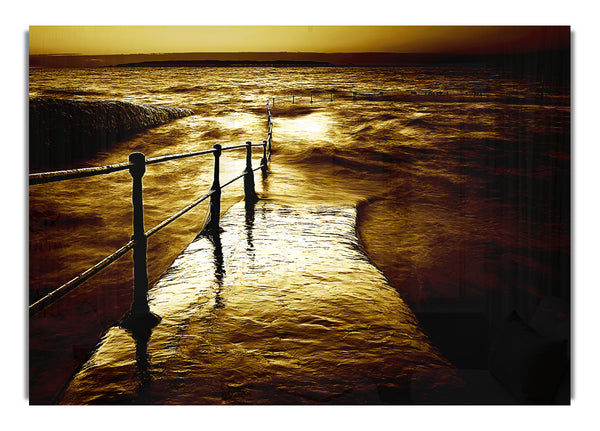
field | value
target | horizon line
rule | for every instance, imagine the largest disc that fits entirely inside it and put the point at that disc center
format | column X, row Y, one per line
column 491, row 52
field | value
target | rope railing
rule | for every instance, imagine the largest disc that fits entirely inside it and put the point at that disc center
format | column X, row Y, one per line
column 338, row 93
column 48, row 177
column 137, row 165
column 412, row 94
column 140, row 312
column 73, row 283
column 354, row 94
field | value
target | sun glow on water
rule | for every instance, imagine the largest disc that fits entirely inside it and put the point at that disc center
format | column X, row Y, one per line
column 315, row 125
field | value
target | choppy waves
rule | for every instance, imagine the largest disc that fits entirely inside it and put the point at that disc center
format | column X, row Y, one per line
column 462, row 197
column 62, row 132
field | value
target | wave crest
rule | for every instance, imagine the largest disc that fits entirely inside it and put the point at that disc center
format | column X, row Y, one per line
column 62, row 132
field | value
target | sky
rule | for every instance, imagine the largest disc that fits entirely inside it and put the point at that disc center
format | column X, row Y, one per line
column 103, row 40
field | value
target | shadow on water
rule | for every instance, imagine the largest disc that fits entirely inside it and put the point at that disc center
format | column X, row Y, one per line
column 141, row 333
column 215, row 239
column 141, row 336
column 249, row 224
column 213, row 233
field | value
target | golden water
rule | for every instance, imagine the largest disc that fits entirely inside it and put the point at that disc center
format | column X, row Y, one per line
column 455, row 199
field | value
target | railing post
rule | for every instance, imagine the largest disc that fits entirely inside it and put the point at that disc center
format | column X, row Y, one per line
column 292, row 99
column 311, row 99
column 139, row 315
column 249, row 192
column 331, row 97
column 264, row 160
column 215, row 199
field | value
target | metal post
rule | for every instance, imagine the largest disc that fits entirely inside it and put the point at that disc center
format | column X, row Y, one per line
column 249, row 191
column 264, row 160
column 215, row 199
column 139, row 314
column 331, row 99
column 311, row 100
column 292, row 99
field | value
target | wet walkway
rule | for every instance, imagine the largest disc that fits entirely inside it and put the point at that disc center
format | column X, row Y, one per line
column 282, row 307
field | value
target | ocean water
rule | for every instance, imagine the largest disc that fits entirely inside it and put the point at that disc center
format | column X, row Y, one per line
column 460, row 177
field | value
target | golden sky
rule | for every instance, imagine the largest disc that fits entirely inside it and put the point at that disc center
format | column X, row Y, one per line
column 98, row 40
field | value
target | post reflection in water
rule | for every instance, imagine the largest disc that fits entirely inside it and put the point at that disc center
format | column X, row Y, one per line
column 249, row 225
column 141, row 335
column 215, row 239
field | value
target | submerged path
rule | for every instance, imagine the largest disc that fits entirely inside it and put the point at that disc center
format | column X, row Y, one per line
column 282, row 307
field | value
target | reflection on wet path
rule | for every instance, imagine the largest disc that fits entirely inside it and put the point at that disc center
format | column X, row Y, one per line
column 281, row 307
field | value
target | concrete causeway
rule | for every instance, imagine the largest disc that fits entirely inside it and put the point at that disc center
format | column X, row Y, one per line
column 282, row 307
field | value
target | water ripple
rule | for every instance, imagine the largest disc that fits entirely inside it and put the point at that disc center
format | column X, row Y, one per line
column 303, row 318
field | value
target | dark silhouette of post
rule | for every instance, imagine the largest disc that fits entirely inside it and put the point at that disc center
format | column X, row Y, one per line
column 331, row 97
column 139, row 315
column 292, row 99
column 264, row 162
column 249, row 192
column 215, row 239
column 140, row 271
column 249, row 225
column 215, row 199
column 311, row 99
column 142, row 364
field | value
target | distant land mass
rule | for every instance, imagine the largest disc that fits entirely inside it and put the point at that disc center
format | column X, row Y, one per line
column 244, row 58
column 252, row 58
column 227, row 63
